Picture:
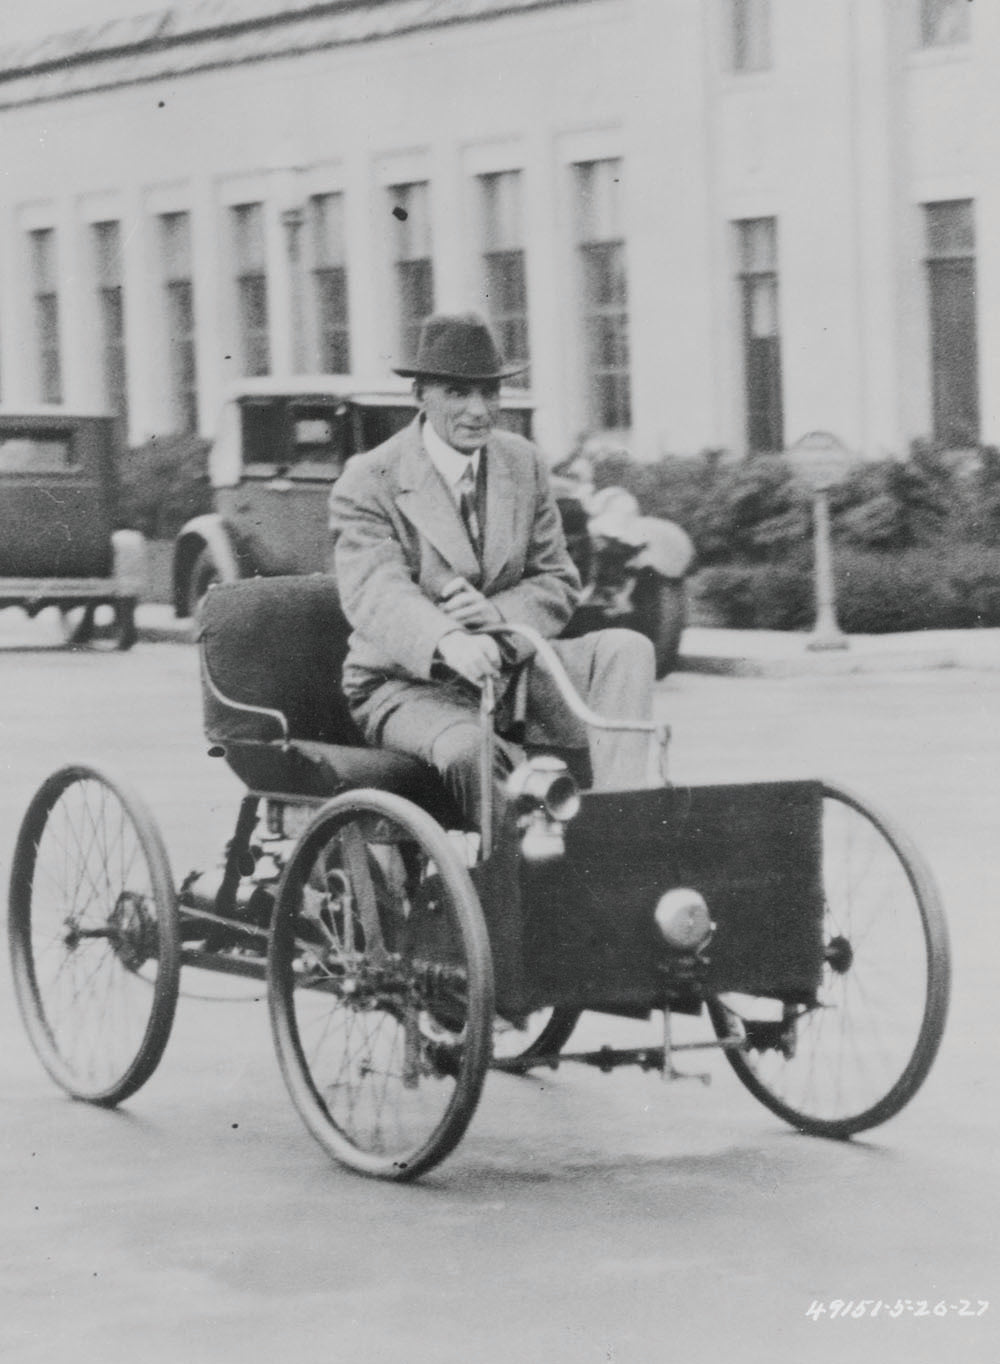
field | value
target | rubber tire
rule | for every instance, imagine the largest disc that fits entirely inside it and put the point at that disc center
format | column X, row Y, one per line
column 934, row 1011
column 162, row 995
column 204, row 574
column 556, row 1030
column 466, row 920
column 661, row 614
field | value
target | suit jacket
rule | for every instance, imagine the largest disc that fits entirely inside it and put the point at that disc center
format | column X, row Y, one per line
column 399, row 538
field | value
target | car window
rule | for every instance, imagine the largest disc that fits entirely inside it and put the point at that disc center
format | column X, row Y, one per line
column 263, row 436
column 318, row 441
column 379, row 423
column 516, row 419
column 30, row 453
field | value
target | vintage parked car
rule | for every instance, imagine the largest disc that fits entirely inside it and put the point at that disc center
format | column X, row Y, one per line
column 282, row 442
column 60, row 544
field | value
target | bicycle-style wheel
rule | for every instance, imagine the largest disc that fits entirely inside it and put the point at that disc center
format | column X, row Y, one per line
column 94, row 938
column 544, row 1034
column 857, row 1057
column 380, row 985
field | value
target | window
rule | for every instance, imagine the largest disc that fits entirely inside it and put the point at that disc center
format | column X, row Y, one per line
column 604, row 291
column 945, row 22
column 414, row 269
column 42, row 245
column 758, row 275
column 178, row 297
column 106, row 239
column 749, row 34
column 504, row 281
column 951, row 283
column 36, row 452
column 251, row 287
column 329, row 276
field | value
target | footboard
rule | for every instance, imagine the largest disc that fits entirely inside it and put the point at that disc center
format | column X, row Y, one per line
column 753, row 851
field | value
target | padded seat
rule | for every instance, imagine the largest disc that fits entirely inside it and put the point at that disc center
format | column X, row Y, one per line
column 272, row 650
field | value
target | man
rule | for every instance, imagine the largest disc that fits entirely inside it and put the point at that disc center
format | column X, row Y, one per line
column 450, row 527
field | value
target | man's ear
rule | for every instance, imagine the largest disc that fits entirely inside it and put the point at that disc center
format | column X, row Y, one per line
column 418, row 393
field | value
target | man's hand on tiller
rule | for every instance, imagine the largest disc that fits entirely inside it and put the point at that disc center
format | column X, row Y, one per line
column 474, row 657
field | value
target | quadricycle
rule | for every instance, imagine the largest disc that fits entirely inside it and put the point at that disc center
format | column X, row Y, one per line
column 405, row 955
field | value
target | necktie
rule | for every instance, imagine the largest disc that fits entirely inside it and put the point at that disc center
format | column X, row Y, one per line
column 467, row 507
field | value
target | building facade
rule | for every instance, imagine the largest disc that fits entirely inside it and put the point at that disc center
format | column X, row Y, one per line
column 702, row 223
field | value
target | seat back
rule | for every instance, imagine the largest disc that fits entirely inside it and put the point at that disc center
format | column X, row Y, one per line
column 277, row 645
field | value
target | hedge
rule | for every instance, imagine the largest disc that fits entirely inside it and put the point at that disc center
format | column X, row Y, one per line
column 164, row 483
column 937, row 587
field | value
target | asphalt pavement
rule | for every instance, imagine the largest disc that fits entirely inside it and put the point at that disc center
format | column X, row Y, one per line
column 584, row 1217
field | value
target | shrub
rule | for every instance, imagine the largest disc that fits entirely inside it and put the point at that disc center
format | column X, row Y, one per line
column 757, row 596
column 163, row 483
column 937, row 587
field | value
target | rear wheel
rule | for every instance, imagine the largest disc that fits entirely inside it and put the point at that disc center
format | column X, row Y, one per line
column 857, row 1057
column 205, row 573
column 94, row 938
column 545, row 1033
column 380, row 985
column 661, row 614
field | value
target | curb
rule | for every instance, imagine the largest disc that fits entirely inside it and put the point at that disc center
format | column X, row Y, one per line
column 817, row 665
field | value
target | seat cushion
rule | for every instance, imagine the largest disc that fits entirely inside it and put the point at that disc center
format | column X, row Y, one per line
column 280, row 644
column 318, row 770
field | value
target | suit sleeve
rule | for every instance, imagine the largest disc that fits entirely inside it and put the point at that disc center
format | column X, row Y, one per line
column 549, row 588
column 377, row 592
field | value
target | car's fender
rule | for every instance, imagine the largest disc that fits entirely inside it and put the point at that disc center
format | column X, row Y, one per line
column 208, row 531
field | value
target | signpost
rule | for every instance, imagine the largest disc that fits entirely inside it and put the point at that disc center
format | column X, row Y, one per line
column 821, row 460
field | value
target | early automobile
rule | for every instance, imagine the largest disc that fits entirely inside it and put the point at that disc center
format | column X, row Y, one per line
column 405, row 955
column 60, row 541
column 281, row 444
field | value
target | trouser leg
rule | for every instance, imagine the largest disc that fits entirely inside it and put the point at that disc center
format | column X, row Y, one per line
column 447, row 735
column 614, row 672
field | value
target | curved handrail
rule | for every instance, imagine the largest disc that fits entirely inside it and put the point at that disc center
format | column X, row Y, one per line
column 554, row 666
column 551, row 661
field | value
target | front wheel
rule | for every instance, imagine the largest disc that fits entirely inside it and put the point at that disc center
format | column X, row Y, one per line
column 859, row 1055
column 94, row 938
column 544, row 1035
column 205, row 573
column 380, row 986
column 661, row 614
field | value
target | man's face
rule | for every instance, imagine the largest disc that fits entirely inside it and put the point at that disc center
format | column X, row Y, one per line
column 462, row 412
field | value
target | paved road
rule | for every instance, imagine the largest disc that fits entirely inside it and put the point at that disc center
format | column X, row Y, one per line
column 584, row 1217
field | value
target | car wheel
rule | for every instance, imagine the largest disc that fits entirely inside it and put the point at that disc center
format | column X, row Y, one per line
column 661, row 614
column 204, row 573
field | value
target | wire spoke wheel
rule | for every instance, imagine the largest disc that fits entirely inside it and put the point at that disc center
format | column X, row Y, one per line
column 860, row 1055
column 380, row 986
column 545, row 1033
column 94, row 939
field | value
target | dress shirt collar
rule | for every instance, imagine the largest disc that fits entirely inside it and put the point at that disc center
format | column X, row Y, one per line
column 451, row 464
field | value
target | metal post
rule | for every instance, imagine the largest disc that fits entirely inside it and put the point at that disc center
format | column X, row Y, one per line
column 826, row 633
column 486, row 763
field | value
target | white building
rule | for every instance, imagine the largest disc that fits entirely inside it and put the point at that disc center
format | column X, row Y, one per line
column 713, row 222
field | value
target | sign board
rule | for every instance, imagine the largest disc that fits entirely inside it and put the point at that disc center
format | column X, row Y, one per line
column 820, row 459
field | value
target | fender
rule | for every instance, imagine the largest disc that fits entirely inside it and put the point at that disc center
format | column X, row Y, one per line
column 201, row 532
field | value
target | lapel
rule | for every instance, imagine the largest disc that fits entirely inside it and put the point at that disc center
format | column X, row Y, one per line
column 505, row 508
column 427, row 504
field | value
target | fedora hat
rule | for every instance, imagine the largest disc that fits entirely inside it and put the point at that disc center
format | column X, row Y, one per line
column 458, row 346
